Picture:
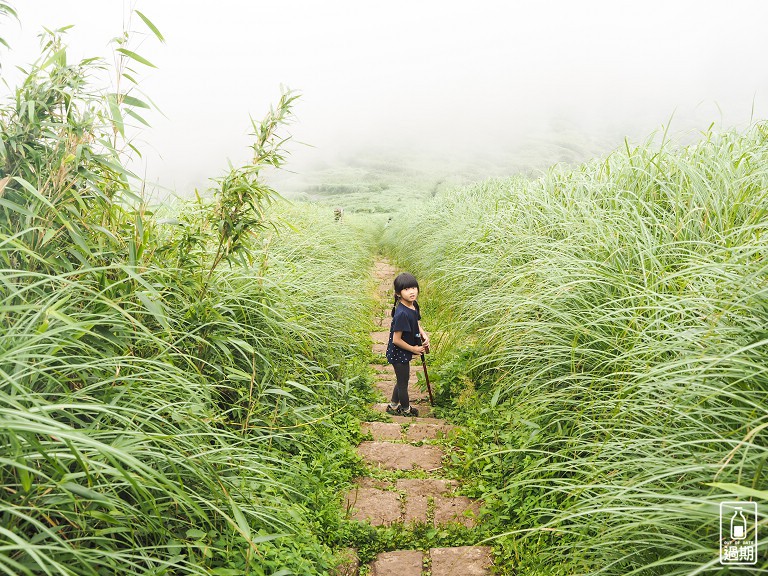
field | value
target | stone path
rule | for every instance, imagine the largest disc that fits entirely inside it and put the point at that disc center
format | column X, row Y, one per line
column 406, row 444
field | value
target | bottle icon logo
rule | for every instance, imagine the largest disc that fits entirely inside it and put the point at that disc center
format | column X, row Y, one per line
column 738, row 533
column 738, row 525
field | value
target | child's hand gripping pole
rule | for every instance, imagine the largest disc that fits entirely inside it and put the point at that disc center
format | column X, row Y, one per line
column 424, row 364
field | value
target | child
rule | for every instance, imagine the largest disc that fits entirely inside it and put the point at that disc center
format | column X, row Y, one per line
column 402, row 343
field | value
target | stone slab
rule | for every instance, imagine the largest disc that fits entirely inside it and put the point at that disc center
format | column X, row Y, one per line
column 380, row 348
column 417, row 394
column 417, row 495
column 380, row 337
column 419, row 431
column 383, row 269
column 368, row 482
column 411, row 420
column 401, row 456
column 383, row 430
column 386, row 388
column 425, row 486
column 398, row 563
column 379, row 507
column 452, row 510
column 416, row 507
column 461, row 561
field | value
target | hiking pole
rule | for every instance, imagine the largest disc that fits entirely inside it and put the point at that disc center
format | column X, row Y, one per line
column 424, row 364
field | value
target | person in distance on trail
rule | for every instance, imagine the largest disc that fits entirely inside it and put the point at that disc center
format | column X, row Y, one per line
column 403, row 342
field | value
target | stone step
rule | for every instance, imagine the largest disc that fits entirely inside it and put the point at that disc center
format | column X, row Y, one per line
column 382, row 431
column 384, row 502
column 407, row 500
column 461, row 561
column 380, row 337
column 401, row 456
column 425, row 410
column 420, row 430
column 415, row 395
column 415, row 432
column 458, row 561
column 398, row 563
column 383, row 269
column 412, row 420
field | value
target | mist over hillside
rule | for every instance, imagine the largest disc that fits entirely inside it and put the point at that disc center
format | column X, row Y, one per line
column 445, row 89
column 381, row 178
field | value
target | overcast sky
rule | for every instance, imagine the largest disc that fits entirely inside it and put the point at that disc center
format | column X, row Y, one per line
column 443, row 76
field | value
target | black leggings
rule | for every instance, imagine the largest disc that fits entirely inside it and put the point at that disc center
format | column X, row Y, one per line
column 400, row 393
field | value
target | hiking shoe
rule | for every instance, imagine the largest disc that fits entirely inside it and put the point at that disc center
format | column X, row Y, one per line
column 393, row 411
column 410, row 412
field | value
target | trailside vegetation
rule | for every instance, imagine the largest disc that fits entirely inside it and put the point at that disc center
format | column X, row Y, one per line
column 605, row 346
column 172, row 389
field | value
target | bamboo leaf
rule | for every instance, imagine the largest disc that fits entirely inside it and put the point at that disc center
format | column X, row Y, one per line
column 59, row 57
column 242, row 344
column 154, row 307
column 133, row 56
column 86, row 493
column 132, row 101
column 32, row 190
column 17, row 208
column 49, row 233
column 116, row 115
column 8, row 9
column 151, row 26
column 299, row 386
column 138, row 117
column 279, row 392
column 240, row 519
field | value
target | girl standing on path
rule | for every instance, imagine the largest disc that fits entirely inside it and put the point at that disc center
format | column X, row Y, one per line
column 402, row 343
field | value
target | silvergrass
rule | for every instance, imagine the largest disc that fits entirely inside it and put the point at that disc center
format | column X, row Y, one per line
column 613, row 320
column 166, row 393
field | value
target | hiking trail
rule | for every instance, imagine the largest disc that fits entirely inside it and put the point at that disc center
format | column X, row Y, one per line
column 407, row 444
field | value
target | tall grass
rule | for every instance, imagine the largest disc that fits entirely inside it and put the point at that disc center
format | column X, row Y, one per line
column 169, row 389
column 612, row 319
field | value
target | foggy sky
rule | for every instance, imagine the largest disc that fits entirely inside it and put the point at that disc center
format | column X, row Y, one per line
column 440, row 77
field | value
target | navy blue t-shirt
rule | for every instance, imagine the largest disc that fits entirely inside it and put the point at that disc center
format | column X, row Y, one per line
column 406, row 321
